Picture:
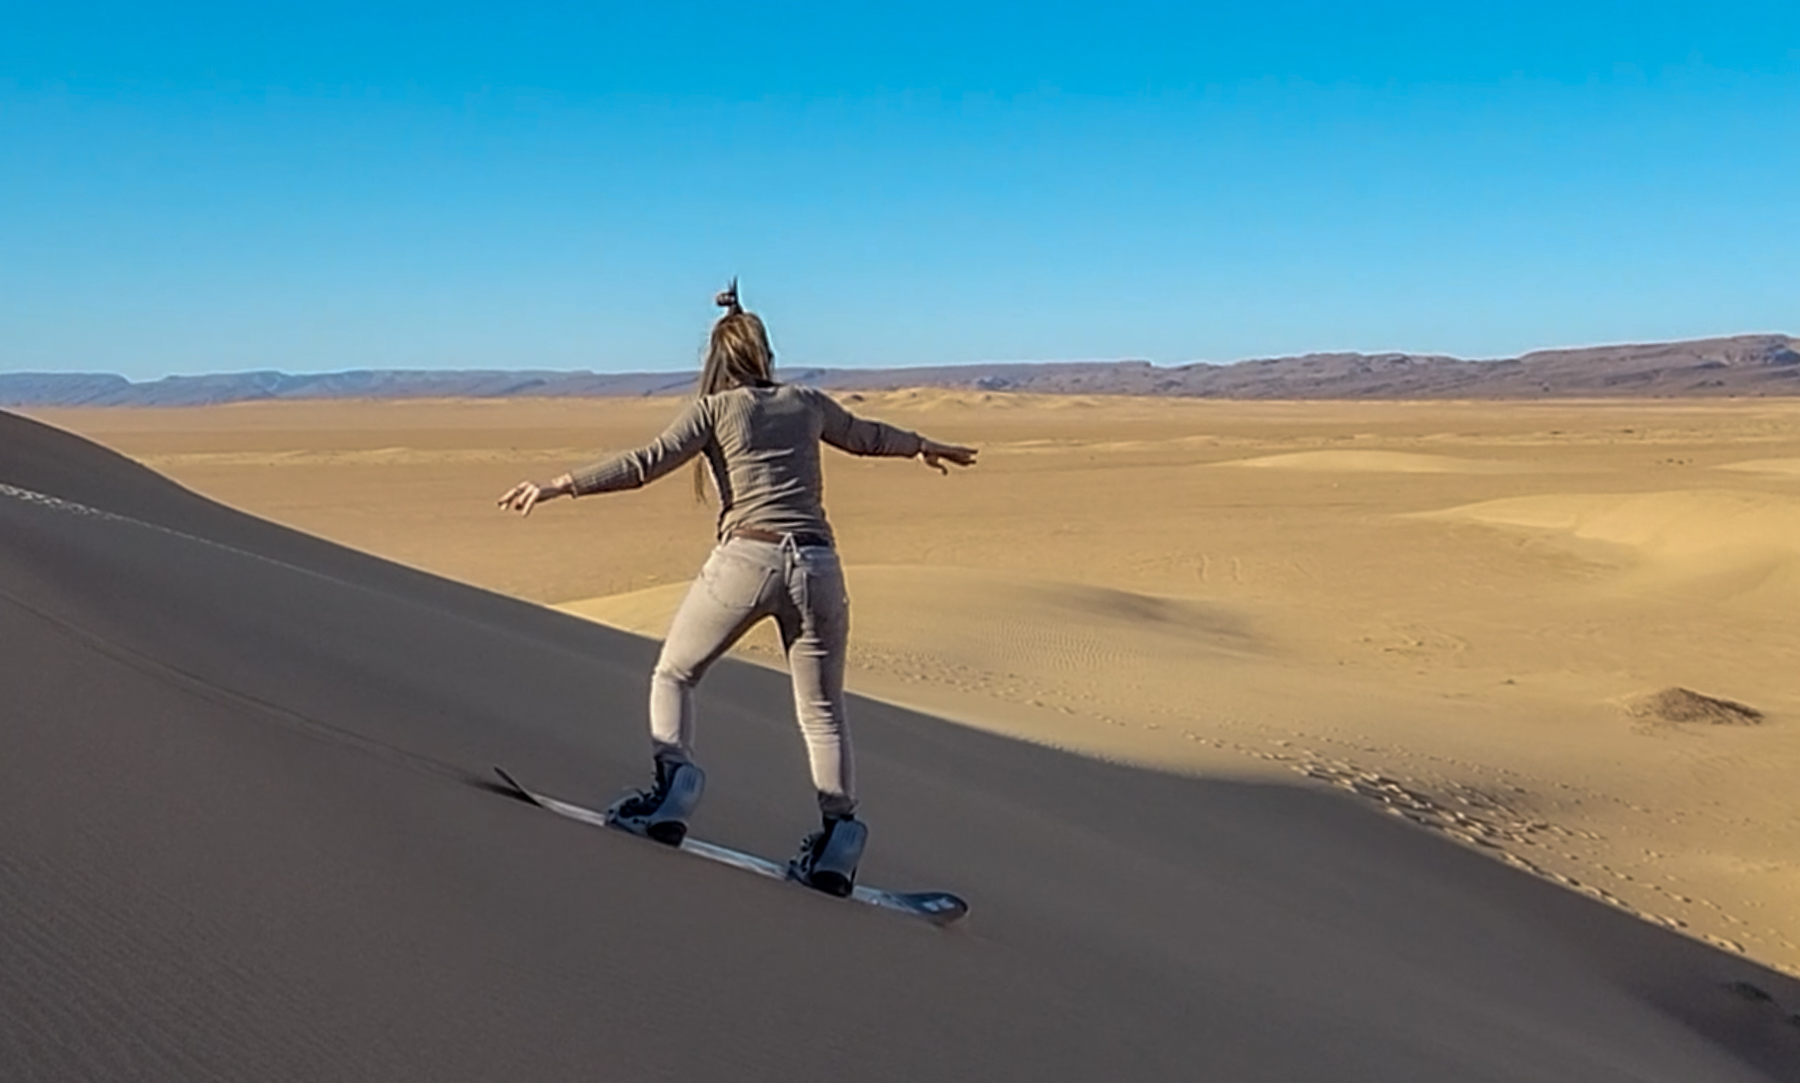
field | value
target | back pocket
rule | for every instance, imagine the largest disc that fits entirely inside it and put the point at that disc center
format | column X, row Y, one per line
column 733, row 581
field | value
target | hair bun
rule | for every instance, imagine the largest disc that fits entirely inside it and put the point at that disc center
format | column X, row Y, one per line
column 727, row 298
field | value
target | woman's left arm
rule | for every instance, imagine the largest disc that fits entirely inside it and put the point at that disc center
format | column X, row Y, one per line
column 683, row 440
column 861, row 436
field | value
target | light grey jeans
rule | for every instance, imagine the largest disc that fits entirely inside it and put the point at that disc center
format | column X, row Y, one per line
column 743, row 582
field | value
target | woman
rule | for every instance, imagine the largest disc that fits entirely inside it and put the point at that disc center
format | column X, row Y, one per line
column 775, row 558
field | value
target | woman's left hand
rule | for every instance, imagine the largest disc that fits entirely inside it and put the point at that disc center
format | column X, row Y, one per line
column 527, row 494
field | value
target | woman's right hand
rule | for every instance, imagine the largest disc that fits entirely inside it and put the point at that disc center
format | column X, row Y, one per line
column 527, row 494
column 935, row 455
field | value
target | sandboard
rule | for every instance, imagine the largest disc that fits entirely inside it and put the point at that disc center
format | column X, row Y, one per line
column 937, row 907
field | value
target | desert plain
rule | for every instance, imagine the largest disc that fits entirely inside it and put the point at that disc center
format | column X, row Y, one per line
column 1564, row 634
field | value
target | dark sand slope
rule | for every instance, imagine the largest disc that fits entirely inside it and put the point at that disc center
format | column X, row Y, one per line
column 241, row 837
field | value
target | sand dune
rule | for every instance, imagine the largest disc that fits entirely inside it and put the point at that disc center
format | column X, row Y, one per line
column 1783, row 467
column 1744, row 546
column 239, row 836
column 932, row 399
column 1487, row 677
column 1388, row 462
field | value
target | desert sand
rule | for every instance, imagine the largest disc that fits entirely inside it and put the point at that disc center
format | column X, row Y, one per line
column 1552, row 643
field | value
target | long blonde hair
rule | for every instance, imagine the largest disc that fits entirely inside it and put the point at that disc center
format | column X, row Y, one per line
column 737, row 355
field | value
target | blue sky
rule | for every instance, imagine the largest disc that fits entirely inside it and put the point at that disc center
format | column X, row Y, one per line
column 200, row 187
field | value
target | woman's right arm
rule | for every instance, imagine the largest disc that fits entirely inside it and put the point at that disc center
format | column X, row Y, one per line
column 684, row 439
column 679, row 443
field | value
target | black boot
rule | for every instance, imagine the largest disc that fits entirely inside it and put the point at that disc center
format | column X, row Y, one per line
column 828, row 857
column 662, row 811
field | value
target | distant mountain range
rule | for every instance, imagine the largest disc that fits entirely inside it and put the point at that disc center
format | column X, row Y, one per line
column 1741, row 365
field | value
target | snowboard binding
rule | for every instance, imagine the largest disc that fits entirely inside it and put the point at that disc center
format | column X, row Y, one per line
column 828, row 858
column 661, row 812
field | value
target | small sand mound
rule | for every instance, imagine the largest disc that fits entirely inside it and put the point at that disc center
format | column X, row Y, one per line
column 1684, row 705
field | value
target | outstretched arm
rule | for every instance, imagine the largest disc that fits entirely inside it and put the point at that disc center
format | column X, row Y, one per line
column 936, row 454
column 861, row 436
column 529, row 494
column 683, row 440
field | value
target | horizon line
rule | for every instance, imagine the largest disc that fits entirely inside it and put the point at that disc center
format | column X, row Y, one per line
column 925, row 365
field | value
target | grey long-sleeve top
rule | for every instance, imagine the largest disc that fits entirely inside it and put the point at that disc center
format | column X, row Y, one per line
column 763, row 446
